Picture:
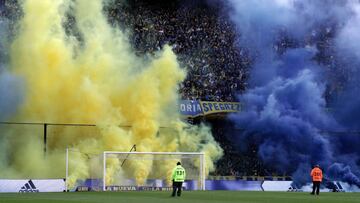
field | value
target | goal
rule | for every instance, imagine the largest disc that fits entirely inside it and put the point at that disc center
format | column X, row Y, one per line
column 123, row 171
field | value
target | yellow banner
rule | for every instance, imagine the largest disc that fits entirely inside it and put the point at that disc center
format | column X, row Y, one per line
column 210, row 107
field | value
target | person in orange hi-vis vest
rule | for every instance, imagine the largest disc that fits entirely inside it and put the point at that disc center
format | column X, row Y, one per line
column 317, row 176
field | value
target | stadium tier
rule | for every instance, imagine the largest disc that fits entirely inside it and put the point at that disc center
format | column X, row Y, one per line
column 108, row 95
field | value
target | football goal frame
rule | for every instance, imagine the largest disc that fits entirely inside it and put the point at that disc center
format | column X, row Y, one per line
column 200, row 155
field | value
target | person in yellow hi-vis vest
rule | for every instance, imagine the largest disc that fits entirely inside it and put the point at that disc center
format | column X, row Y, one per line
column 178, row 177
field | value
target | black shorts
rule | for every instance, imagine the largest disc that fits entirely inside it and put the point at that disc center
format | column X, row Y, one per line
column 177, row 184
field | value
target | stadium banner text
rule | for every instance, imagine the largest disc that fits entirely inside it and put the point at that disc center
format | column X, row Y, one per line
column 29, row 185
column 193, row 108
column 138, row 188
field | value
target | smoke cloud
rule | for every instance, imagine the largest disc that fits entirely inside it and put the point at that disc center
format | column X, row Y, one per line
column 10, row 84
column 95, row 78
column 285, row 112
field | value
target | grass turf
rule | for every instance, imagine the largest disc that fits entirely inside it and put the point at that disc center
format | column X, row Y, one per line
column 193, row 196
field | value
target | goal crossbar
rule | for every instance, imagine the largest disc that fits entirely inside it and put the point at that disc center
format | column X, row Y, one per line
column 160, row 153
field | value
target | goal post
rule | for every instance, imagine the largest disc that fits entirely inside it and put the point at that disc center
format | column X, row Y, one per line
column 83, row 170
column 116, row 171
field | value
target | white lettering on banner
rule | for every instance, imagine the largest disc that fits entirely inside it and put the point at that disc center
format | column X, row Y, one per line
column 188, row 107
column 30, row 185
column 182, row 107
column 138, row 188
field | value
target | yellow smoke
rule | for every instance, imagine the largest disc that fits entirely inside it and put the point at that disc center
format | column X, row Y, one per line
column 97, row 79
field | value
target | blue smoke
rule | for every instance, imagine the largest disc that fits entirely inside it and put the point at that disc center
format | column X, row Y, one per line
column 285, row 112
column 348, row 46
column 11, row 86
column 11, row 94
column 285, row 117
column 343, row 172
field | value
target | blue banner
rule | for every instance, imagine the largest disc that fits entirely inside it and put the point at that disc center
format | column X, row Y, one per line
column 190, row 108
column 233, row 185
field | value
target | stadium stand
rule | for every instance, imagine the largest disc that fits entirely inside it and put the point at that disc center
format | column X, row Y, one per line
column 205, row 42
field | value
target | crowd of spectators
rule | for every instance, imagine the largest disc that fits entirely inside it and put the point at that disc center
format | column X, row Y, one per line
column 10, row 12
column 201, row 37
column 236, row 162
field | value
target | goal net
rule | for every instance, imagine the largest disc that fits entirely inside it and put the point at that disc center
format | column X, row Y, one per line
column 122, row 171
column 84, row 171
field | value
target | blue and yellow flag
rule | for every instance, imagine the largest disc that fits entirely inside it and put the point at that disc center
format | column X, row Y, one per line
column 193, row 108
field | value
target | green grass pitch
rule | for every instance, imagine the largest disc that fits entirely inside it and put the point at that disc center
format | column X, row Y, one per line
column 188, row 196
